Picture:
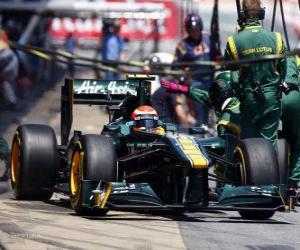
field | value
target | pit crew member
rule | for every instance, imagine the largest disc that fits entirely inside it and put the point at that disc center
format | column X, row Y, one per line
column 259, row 83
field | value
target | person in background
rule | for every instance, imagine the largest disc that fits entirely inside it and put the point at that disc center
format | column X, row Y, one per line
column 9, row 70
column 195, row 47
column 70, row 46
column 153, row 65
column 171, row 107
column 112, row 45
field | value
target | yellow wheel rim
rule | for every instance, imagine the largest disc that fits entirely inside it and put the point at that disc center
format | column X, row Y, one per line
column 75, row 174
column 243, row 165
column 15, row 163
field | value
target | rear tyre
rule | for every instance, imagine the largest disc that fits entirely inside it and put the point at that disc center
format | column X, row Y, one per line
column 34, row 162
column 94, row 158
column 258, row 166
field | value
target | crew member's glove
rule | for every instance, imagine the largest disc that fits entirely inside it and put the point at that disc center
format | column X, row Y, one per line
column 288, row 87
column 174, row 87
column 199, row 95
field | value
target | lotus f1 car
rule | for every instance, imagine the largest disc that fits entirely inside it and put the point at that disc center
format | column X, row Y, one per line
column 123, row 169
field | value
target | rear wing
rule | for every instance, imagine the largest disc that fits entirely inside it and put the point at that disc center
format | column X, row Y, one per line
column 99, row 92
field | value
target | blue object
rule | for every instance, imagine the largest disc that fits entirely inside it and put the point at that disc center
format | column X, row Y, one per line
column 189, row 50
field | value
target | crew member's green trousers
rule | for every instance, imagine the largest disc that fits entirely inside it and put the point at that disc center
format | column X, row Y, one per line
column 260, row 118
column 291, row 130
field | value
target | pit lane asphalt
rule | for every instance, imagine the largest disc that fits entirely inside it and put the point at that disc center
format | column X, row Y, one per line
column 54, row 225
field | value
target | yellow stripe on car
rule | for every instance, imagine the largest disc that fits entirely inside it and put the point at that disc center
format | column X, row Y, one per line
column 193, row 153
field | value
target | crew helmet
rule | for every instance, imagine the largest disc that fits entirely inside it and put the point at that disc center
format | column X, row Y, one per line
column 193, row 21
column 221, row 90
column 145, row 117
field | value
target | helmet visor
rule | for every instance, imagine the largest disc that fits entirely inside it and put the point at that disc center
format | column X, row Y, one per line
column 146, row 123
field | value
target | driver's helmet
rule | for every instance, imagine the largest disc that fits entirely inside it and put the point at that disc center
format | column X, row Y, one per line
column 193, row 21
column 146, row 119
column 221, row 90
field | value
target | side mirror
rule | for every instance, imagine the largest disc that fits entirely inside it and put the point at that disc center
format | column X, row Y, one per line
column 170, row 127
column 197, row 130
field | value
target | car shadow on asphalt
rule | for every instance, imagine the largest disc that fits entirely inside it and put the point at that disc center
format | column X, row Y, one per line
column 215, row 216
column 222, row 217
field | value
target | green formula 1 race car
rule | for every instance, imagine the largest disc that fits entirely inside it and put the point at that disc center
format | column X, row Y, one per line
column 127, row 169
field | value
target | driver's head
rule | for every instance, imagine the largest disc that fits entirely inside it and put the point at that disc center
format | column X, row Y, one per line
column 221, row 90
column 145, row 117
column 194, row 26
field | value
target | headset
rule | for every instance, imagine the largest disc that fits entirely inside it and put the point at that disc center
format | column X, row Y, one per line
column 242, row 15
column 261, row 14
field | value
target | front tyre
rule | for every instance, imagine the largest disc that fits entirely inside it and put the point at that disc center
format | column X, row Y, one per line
column 258, row 165
column 94, row 158
column 258, row 162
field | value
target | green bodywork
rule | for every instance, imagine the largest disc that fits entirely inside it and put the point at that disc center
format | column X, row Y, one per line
column 139, row 195
column 251, row 195
column 122, row 193
column 140, row 153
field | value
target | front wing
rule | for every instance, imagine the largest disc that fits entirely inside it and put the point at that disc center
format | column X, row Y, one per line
column 141, row 197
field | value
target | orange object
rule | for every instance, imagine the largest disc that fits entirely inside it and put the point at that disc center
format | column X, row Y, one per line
column 146, row 119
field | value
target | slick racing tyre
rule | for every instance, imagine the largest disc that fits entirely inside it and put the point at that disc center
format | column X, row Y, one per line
column 34, row 162
column 94, row 158
column 258, row 165
column 258, row 162
column 283, row 160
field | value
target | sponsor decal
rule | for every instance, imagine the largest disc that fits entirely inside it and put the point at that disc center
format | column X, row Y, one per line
column 193, row 152
column 112, row 87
